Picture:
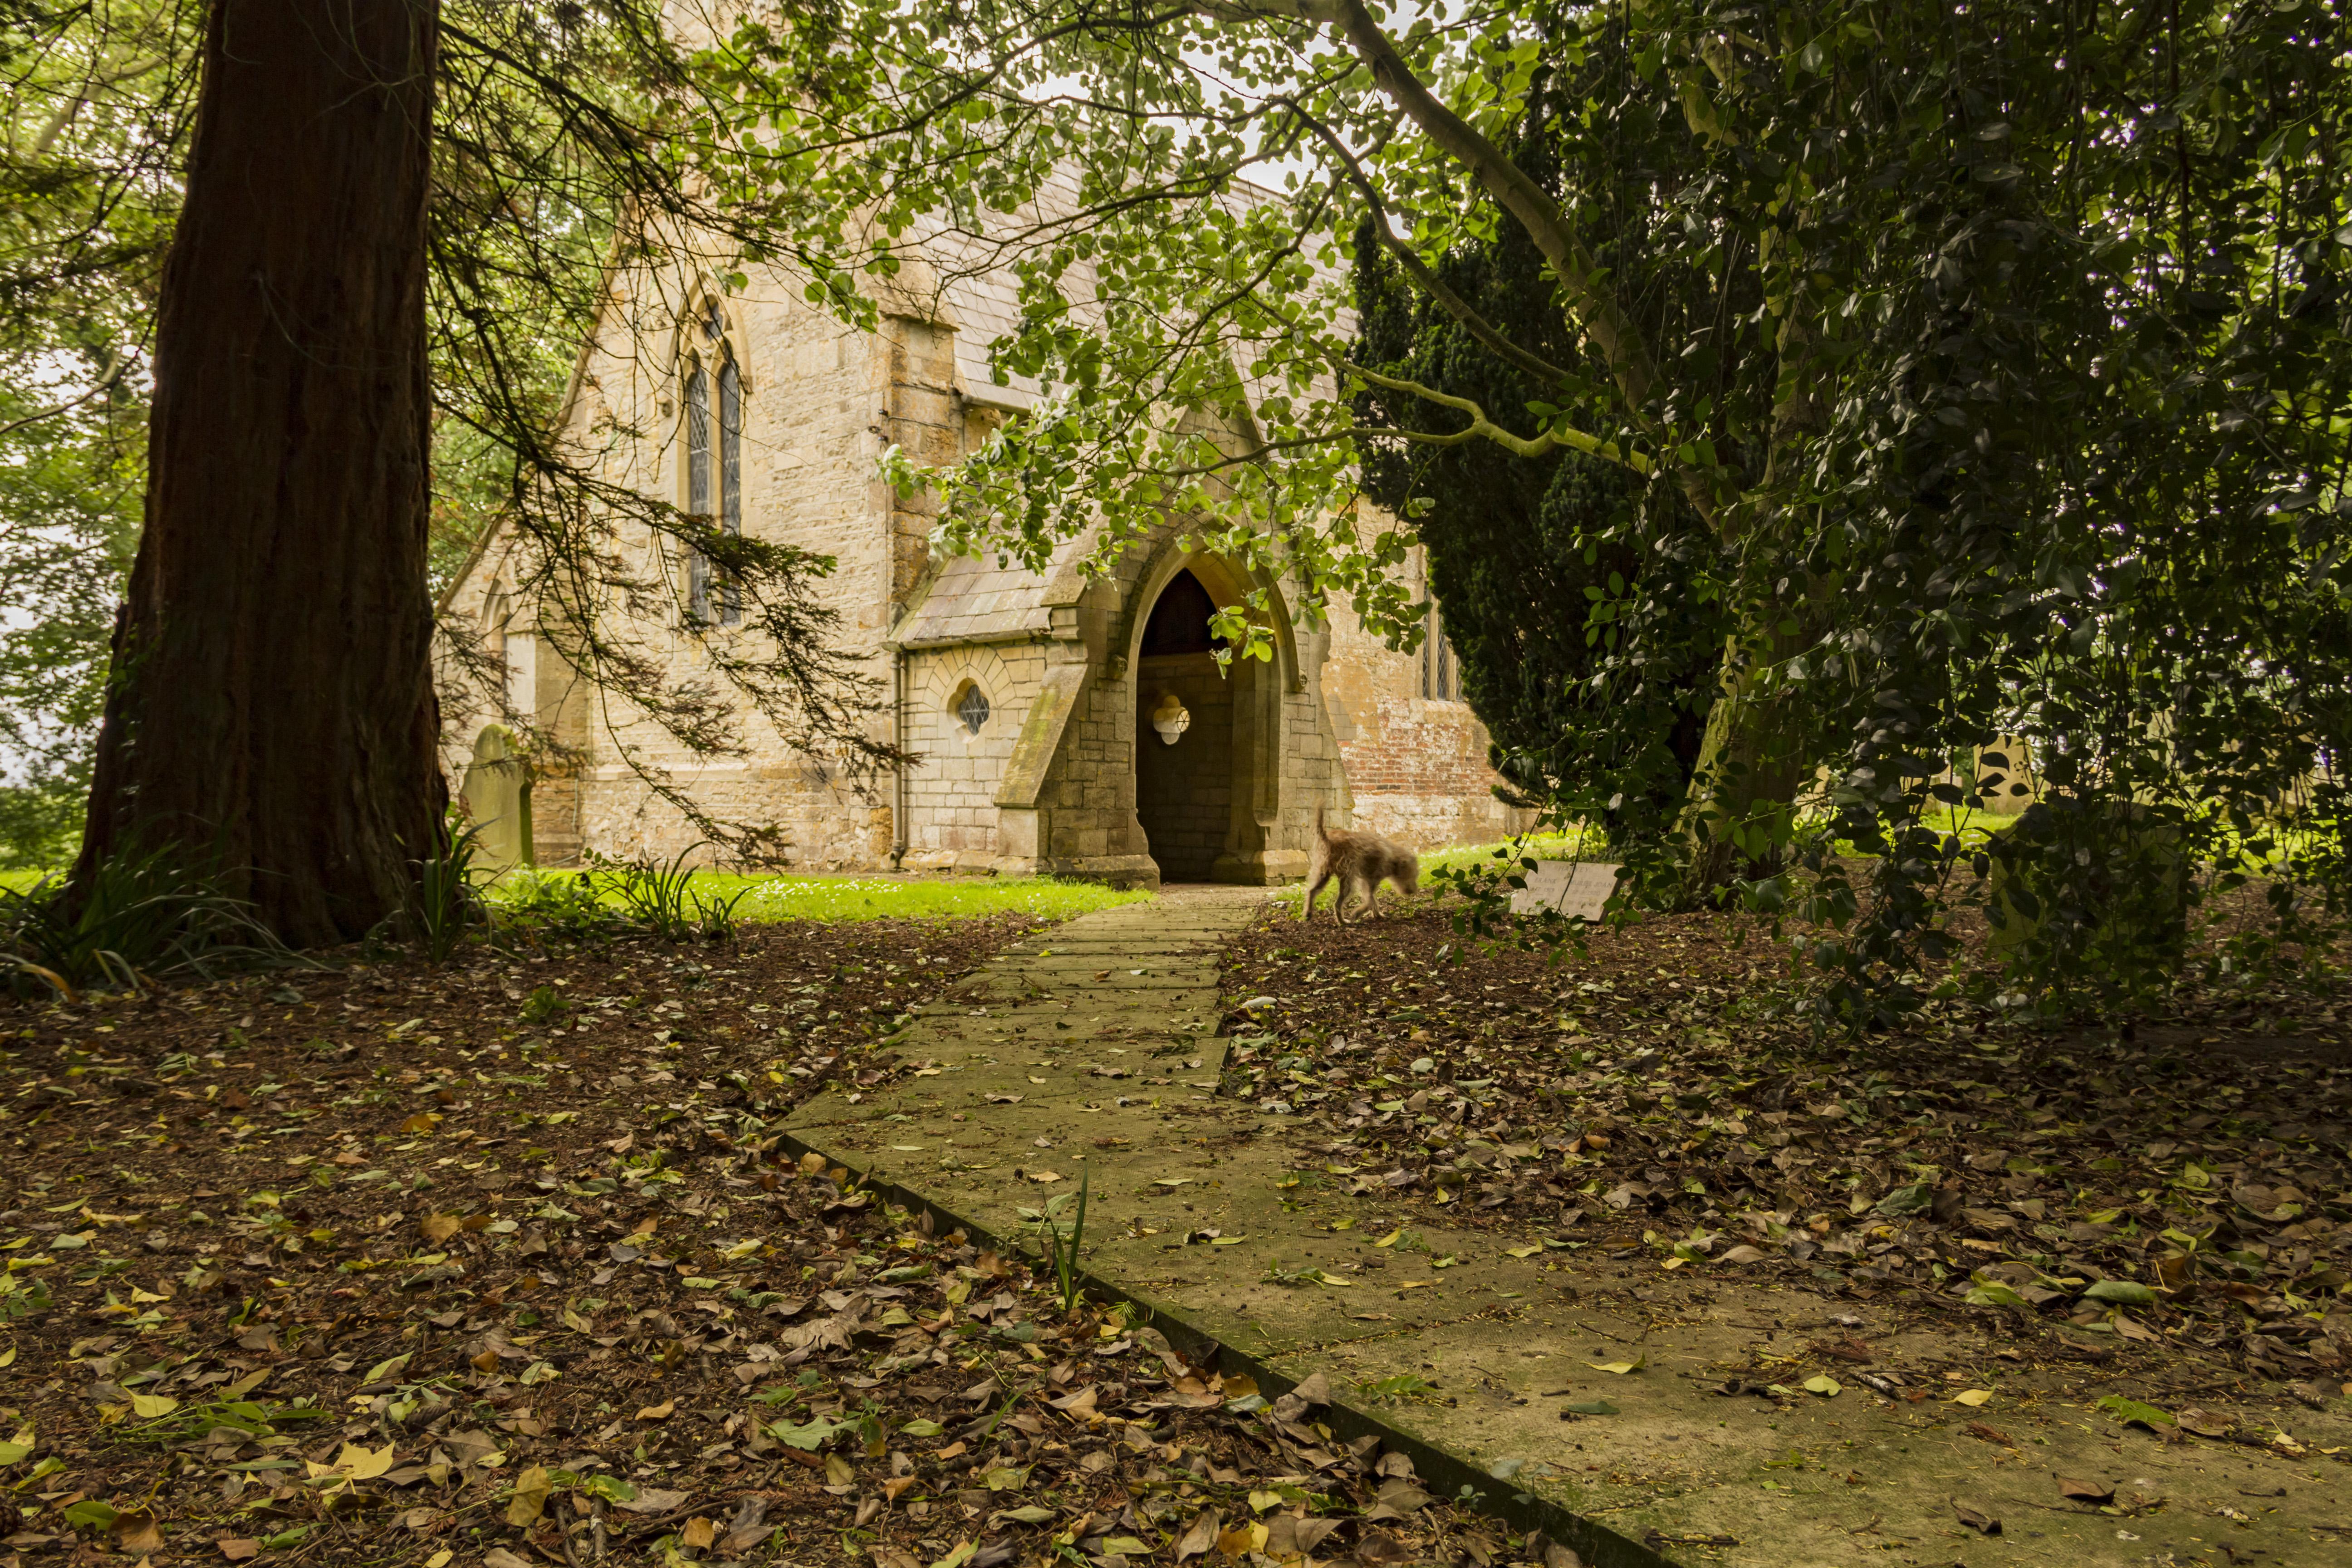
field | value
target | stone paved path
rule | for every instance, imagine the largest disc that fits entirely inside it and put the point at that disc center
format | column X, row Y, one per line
column 1093, row 1047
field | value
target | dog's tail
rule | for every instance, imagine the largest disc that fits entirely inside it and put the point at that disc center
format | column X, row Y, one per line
column 1319, row 833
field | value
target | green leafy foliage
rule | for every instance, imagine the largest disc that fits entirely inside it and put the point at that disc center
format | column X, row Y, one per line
column 141, row 915
column 661, row 895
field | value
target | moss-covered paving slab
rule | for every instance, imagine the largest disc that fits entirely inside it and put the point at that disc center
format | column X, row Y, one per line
column 1703, row 1411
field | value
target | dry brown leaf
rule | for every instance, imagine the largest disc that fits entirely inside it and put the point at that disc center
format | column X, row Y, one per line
column 655, row 1412
column 1201, row 1536
column 439, row 1227
column 699, row 1533
column 1982, row 1523
column 137, row 1532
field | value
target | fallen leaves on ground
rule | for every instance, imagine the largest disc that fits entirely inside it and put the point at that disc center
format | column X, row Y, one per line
column 1656, row 1102
column 265, row 1306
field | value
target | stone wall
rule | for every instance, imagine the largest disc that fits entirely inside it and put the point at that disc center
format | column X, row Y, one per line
column 1416, row 766
column 951, row 793
column 814, row 403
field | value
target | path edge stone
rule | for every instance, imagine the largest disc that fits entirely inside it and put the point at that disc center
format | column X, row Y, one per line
column 1445, row 1474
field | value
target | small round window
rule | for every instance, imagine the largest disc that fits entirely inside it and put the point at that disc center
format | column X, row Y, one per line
column 972, row 711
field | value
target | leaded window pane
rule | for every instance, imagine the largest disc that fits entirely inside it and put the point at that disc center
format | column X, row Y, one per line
column 973, row 710
column 730, row 476
column 698, row 484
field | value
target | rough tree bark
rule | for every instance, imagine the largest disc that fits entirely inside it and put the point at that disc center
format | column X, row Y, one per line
column 271, row 711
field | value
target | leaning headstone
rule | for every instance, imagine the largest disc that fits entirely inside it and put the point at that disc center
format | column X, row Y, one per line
column 1575, row 888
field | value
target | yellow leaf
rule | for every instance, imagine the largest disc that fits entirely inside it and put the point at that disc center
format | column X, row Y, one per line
column 657, row 1412
column 1391, row 1239
column 1261, row 1500
column 1242, row 1540
column 363, row 1464
column 1826, row 1386
column 423, row 1122
column 439, row 1227
column 1521, row 1251
column 1673, row 1262
column 1972, row 1398
column 697, row 1535
column 439, row 1558
column 529, row 1499
column 1620, row 1367
column 147, row 1406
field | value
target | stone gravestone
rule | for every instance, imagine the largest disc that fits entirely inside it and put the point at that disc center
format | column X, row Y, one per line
column 1575, row 888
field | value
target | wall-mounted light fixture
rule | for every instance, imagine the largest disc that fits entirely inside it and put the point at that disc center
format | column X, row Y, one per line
column 1170, row 719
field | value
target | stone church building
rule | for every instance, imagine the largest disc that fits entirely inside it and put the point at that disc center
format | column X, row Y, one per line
column 1066, row 724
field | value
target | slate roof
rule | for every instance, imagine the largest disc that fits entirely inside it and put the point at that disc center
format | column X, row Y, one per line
column 973, row 599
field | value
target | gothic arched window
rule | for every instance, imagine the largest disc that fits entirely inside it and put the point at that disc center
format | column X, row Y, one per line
column 714, row 472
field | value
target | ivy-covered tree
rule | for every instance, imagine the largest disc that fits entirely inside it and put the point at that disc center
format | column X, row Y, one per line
column 1521, row 546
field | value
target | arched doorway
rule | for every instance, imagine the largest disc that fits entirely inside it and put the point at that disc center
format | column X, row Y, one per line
column 496, row 792
column 1183, row 735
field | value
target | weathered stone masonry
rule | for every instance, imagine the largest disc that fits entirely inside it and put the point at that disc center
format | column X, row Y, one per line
column 1047, row 780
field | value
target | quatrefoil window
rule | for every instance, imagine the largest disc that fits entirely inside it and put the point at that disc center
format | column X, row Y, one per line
column 972, row 711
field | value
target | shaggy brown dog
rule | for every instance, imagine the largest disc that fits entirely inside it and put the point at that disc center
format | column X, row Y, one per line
column 1359, row 862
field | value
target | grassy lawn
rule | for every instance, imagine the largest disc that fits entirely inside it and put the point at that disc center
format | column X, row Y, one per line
column 854, row 898
column 787, row 897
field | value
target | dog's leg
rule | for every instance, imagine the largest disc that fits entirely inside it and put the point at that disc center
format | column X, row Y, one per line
column 1372, row 899
column 1307, row 910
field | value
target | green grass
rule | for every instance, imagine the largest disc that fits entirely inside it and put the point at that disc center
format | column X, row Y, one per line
column 20, row 882
column 1534, row 846
column 875, row 898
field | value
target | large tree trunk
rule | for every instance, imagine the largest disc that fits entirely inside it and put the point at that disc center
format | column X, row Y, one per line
column 271, row 710
column 1751, row 765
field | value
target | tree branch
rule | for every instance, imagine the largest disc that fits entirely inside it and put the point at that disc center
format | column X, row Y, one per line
column 116, row 363
column 1461, row 310
column 1483, row 429
column 1605, row 326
